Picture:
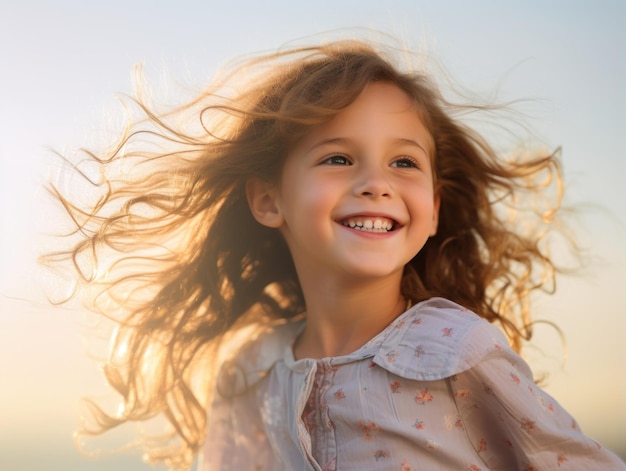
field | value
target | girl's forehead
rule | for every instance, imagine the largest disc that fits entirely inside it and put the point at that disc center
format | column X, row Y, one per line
column 381, row 111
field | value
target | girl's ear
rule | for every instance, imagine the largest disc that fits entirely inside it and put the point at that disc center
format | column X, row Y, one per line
column 262, row 202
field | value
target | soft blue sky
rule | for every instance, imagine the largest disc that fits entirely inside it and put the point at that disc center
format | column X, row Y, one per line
column 62, row 61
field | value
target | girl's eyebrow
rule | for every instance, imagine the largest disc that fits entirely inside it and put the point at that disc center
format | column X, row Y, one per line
column 411, row 142
column 346, row 140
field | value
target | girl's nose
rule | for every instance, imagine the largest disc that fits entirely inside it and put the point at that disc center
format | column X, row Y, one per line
column 372, row 183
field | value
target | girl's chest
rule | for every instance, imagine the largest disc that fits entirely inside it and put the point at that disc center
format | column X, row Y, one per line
column 361, row 416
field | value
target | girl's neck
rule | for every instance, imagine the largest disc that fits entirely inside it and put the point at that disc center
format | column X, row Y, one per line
column 342, row 318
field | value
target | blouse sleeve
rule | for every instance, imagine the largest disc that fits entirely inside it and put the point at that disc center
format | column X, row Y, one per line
column 235, row 436
column 513, row 424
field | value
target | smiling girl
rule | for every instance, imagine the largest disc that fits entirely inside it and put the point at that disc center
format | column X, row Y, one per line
column 355, row 203
column 333, row 267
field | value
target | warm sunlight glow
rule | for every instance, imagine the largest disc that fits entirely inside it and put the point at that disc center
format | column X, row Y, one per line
column 63, row 61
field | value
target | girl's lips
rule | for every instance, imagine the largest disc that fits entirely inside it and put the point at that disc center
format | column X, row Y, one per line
column 370, row 223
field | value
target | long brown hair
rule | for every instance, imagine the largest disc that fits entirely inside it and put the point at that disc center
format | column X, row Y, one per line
column 178, row 261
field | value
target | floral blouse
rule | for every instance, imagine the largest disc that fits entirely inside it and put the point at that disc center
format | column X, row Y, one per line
column 438, row 389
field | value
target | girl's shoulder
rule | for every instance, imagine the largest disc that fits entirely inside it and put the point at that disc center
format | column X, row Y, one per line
column 254, row 358
column 437, row 339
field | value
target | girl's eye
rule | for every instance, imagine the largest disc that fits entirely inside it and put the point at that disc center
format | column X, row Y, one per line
column 337, row 159
column 405, row 162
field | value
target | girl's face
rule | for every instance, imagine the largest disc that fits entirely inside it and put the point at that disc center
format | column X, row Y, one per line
column 356, row 196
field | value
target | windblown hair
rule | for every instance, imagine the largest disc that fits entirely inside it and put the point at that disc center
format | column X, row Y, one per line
column 179, row 262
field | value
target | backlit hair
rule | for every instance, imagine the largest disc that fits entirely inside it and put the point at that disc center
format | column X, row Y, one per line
column 178, row 261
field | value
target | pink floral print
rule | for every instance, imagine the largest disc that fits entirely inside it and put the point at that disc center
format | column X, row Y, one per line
column 439, row 387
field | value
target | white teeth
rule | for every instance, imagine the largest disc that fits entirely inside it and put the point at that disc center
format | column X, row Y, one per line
column 369, row 225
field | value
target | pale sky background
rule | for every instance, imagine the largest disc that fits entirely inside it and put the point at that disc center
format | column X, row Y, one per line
column 61, row 62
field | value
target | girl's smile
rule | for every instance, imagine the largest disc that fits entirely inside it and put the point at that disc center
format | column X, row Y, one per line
column 356, row 196
column 371, row 224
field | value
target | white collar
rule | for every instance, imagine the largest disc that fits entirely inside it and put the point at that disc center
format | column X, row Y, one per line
column 434, row 339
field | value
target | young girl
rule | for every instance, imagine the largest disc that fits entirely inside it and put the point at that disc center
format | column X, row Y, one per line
column 318, row 260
